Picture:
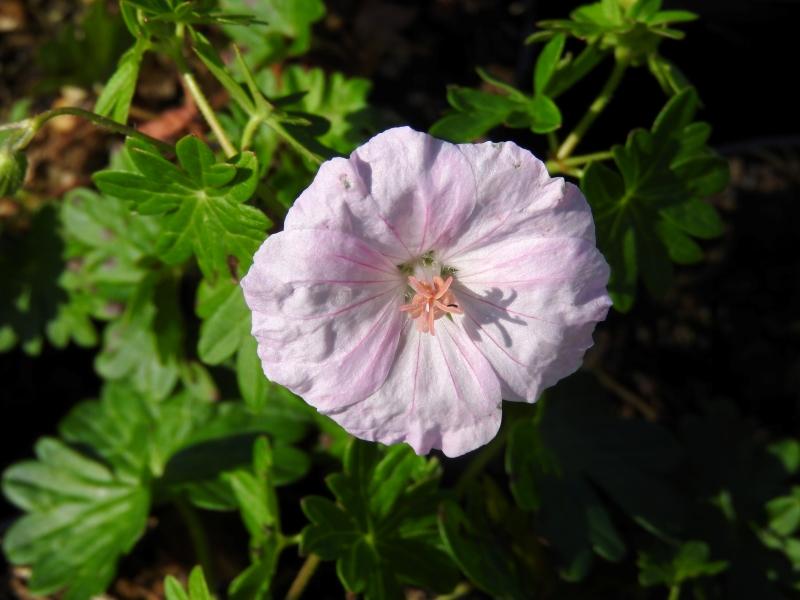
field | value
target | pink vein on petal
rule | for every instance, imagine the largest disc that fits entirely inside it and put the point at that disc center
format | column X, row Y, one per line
column 343, row 309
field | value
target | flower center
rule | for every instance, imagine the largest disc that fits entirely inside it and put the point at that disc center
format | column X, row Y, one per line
column 431, row 301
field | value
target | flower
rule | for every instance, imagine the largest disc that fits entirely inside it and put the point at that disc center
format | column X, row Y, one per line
column 417, row 283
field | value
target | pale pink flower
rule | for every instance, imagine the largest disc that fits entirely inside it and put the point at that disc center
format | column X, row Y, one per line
column 418, row 282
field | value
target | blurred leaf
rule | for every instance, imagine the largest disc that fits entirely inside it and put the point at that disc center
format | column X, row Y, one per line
column 99, row 34
column 633, row 28
column 197, row 589
column 575, row 447
column 287, row 29
column 135, row 433
column 33, row 302
column 547, row 63
column 489, row 565
column 733, row 477
column 646, row 210
column 690, row 561
column 258, row 504
column 225, row 321
column 475, row 112
column 115, row 100
column 340, row 100
column 202, row 203
column 144, row 346
column 106, row 248
column 382, row 529
column 81, row 517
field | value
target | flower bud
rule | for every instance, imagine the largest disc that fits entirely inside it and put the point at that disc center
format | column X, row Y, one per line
column 12, row 171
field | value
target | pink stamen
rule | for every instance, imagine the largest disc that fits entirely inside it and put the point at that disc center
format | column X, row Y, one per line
column 432, row 301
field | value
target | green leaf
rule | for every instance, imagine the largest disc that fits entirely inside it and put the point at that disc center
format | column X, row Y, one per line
column 201, row 203
column 136, row 348
column 547, row 62
column 287, row 29
column 258, row 504
column 488, row 565
column 115, row 100
column 646, row 210
column 226, row 321
column 197, row 588
column 665, row 17
column 545, row 115
column 384, row 510
column 81, row 518
column 581, row 446
column 784, row 513
column 689, row 561
column 342, row 101
column 671, row 79
column 31, row 266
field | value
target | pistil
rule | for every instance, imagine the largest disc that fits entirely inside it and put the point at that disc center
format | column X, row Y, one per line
column 431, row 301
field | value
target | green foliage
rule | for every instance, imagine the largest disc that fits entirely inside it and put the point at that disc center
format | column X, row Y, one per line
column 689, row 561
column 86, row 504
column 202, row 201
column 286, row 30
column 575, row 447
column 197, row 588
column 99, row 34
column 490, row 542
column 115, row 101
column 382, row 529
column 257, row 500
column 82, row 515
column 476, row 112
column 340, row 101
column 648, row 210
column 632, row 28
column 33, row 304
column 13, row 166
column 707, row 508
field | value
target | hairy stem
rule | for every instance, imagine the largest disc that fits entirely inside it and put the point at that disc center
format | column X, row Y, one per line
column 564, row 166
column 203, row 105
column 205, row 109
column 34, row 124
column 597, row 107
column 674, row 592
column 249, row 132
column 303, row 577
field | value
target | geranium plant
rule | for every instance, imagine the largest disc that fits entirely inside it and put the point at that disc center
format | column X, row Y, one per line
column 301, row 313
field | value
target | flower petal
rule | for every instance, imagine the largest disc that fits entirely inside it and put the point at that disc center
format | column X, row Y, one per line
column 440, row 393
column 531, row 305
column 325, row 314
column 403, row 191
column 516, row 195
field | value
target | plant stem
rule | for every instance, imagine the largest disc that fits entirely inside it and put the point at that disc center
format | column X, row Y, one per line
column 205, row 109
column 176, row 52
column 249, row 131
column 462, row 589
column 597, row 107
column 674, row 592
column 561, row 166
column 199, row 539
column 303, row 577
column 34, row 124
